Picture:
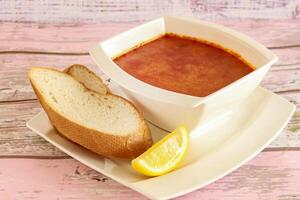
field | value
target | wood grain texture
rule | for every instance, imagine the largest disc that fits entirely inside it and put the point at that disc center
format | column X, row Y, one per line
column 274, row 174
column 79, row 38
column 68, row 40
column 132, row 10
column 267, row 176
column 17, row 108
column 15, row 89
column 16, row 140
column 14, row 84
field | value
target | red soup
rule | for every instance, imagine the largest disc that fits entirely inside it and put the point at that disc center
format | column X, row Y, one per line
column 184, row 65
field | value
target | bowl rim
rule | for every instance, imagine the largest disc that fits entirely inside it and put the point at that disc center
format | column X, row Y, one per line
column 129, row 82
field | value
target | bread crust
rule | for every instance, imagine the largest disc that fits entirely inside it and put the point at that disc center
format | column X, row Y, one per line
column 69, row 71
column 105, row 144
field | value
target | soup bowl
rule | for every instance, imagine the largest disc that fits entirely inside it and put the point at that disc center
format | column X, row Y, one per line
column 168, row 109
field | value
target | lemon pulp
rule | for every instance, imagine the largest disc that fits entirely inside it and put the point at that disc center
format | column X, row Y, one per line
column 163, row 156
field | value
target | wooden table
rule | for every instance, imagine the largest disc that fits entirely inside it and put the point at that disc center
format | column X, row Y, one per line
column 31, row 168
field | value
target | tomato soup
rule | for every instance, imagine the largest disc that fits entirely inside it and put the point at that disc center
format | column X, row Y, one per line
column 184, row 65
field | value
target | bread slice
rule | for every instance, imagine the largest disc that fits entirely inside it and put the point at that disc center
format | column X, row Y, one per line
column 85, row 76
column 105, row 124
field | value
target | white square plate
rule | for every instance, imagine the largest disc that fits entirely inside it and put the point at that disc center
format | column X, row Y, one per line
column 215, row 150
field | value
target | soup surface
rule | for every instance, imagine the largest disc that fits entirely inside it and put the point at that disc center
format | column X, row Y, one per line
column 183, row 65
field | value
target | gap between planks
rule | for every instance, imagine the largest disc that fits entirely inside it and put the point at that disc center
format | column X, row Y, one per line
column 18, row 101
column 274, row 149
column 48, row 53
column 87, row 53
column 35, row 99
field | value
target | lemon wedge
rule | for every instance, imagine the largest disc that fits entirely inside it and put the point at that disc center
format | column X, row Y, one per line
column 163, row 156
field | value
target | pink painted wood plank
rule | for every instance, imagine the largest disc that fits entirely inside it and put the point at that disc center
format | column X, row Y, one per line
column 76, row 38
column 79, row 38
column 16, row 140
column 270, row 175
column 132, row 10
column 14, row 84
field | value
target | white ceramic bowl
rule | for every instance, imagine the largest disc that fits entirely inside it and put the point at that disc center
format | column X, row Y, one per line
column 168, row 109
